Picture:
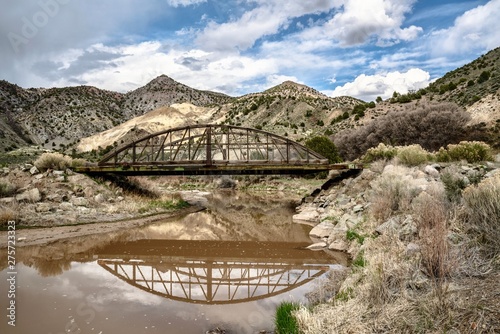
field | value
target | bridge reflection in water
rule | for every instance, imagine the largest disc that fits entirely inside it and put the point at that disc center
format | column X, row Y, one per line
column 214, row 272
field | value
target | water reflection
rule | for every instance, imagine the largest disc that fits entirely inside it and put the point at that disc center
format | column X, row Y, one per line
column 229, row 266
column 208, row 272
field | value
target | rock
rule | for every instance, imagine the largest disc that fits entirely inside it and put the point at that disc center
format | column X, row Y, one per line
column 408, row 228
column 317, row 246
column 358, row 208
column 431, row 171
column 7, row 200
column 390, row 226
column 308, row 215
column 58, row 173
column 322, row 230
column 339, row 245
column 5, row 170
column 79, row 201
column 66, row 206
column 60, row 179
column 99, row 198
column 43, row 207
column 120, row 199
column 39, row 176
column 412, row 248
column 88, row 192
column 34, row 170
column 69, row 172
column 54, row 198
column 32, row 195
column 492, row 173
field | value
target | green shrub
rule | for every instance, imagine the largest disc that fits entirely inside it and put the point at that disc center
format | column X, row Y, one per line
column 166, row 205
column 412, row 155
column 6, row 189
column 471, row 151
column 453, row 183
column 359, row 261
column 52, row 161
column 325, row 147
column 285, row 322
column 353, row 235
column 381, row 152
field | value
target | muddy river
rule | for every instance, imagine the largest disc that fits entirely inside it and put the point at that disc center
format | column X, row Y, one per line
column 226, row 267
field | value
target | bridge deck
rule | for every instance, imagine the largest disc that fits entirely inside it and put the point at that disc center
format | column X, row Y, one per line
column 219, row 169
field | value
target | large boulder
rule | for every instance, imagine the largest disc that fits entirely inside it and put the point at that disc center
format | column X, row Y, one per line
column 322, row 230
column 308, row 215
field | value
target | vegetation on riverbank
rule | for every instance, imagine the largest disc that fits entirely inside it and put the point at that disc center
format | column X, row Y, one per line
column 426, row 251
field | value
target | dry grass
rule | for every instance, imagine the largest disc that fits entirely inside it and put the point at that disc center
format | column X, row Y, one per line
column 55, row 160
column 9, row 213
column 392, row 193
column 482, row 214
column 431, row 212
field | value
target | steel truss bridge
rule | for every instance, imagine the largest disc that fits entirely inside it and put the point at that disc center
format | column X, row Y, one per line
column 205, row 279
column 211, row 150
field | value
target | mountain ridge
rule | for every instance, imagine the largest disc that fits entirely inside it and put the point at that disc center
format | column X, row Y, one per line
column 59, row 117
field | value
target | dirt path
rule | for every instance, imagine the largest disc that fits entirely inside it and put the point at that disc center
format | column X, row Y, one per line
column 40, row 236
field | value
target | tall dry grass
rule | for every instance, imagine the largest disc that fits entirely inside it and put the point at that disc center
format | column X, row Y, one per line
column 482, row 214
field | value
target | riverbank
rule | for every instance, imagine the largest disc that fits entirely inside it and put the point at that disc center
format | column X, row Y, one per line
column 424, row 247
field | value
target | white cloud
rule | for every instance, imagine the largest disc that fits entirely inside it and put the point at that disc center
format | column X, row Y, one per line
column 476, row 29
column 184, row 3
column 264, row 20
column 368, row 87
column 199, row 69
column 361, row 20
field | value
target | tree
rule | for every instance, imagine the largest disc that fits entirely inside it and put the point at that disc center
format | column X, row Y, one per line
column 325, row 147
column 430, row 126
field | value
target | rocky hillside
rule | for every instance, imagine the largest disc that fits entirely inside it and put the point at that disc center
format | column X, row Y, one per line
column 60, row 117
column 288, row 109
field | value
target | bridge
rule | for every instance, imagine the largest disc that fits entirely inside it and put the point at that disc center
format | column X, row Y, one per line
column 212, row 150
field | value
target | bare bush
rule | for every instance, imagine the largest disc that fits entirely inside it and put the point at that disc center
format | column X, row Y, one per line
column 431, row 126
column 482, row 207
column 55, row 160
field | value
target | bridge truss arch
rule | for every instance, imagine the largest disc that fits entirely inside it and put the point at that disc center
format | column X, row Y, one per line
column 210, row 149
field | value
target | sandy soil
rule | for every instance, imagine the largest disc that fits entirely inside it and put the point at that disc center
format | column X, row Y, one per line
column 40, row 236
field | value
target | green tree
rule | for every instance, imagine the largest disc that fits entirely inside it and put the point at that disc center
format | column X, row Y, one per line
column 325, row 147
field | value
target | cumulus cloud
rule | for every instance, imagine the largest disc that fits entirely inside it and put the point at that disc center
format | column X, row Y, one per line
column 368, row 87
column 264, row 20
column 476, row 29
column 358, row 21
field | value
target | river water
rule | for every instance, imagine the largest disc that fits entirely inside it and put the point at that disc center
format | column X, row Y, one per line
column 225, row 267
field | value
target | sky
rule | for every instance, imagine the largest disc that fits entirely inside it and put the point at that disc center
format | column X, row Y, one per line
column 359, row 48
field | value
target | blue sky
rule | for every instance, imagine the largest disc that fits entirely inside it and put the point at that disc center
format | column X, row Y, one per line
column 360, row 48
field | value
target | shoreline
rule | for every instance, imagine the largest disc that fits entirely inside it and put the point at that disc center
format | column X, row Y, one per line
column 49, row 234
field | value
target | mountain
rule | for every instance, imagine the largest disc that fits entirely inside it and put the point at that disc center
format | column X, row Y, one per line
column 164, row 91
column 61, row 117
